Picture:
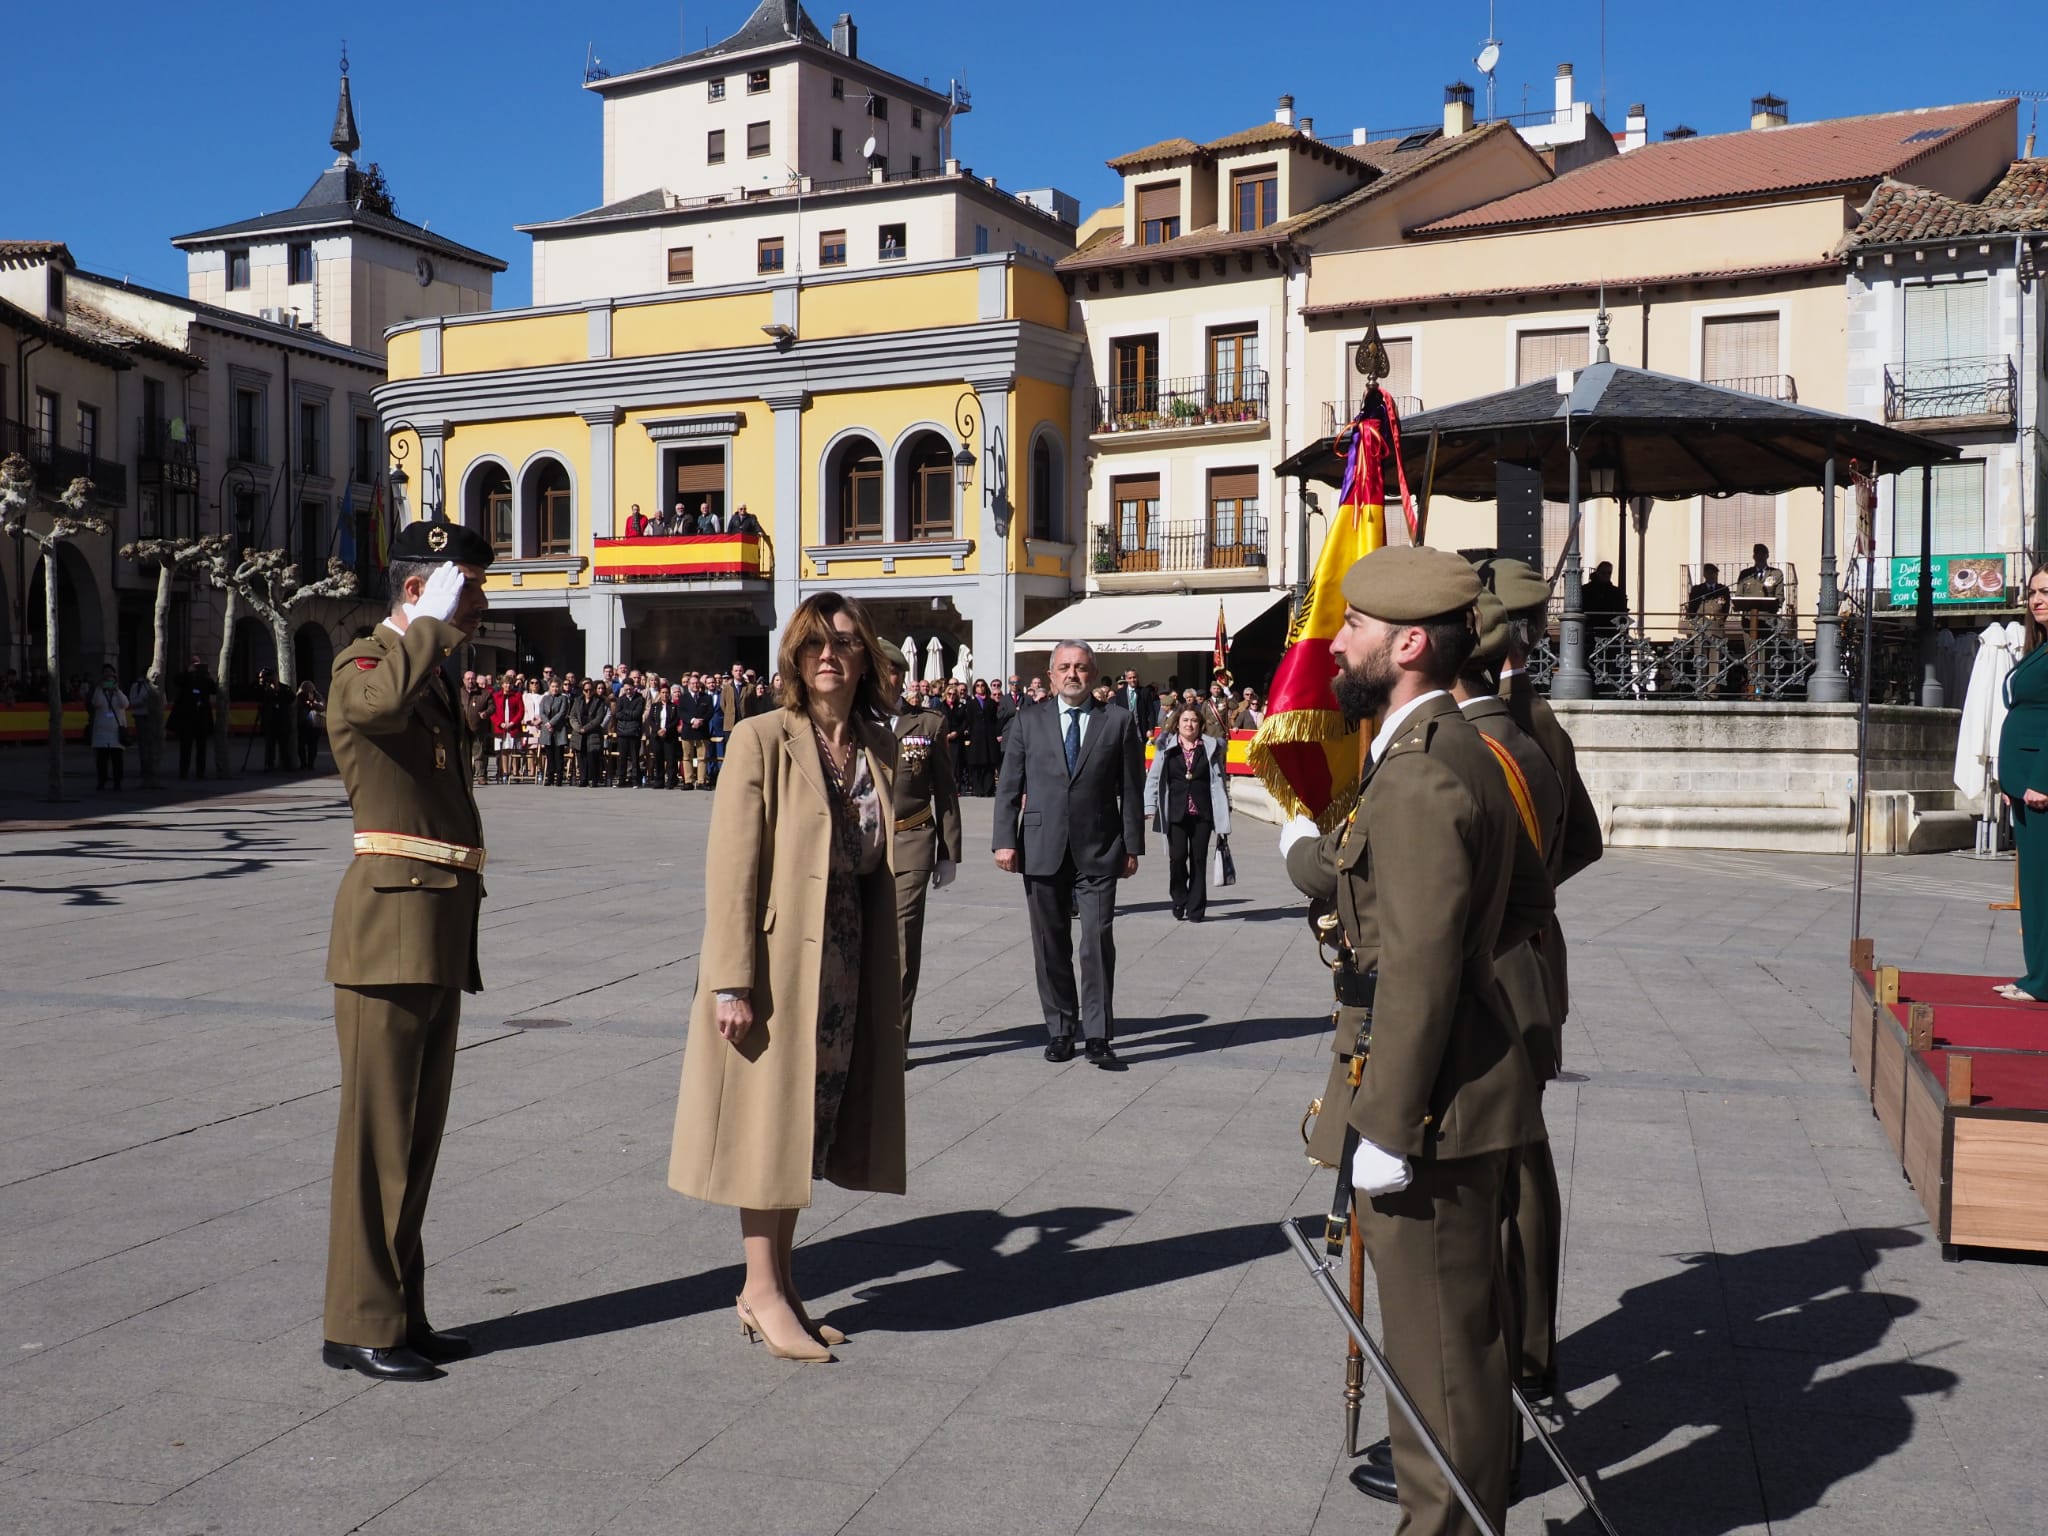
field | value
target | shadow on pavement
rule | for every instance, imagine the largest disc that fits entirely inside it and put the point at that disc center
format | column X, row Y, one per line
column 987, row 1280
column 1737, row 1355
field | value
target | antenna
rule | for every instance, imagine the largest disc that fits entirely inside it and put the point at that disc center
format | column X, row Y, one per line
column 1489, row 58
column 2033, row 100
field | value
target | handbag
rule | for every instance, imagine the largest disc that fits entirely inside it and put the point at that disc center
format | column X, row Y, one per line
column 1222, row 867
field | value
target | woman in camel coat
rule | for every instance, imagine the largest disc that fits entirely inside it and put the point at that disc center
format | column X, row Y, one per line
column 781, row 1053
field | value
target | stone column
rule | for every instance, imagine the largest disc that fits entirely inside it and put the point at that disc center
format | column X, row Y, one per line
column 600, row 609
column 1829, row 686
column 1572, row 679
column 994, row 649
column 1923, row 605
column 785, row 520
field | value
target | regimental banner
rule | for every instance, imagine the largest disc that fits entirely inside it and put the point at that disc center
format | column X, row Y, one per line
column 1958, row 579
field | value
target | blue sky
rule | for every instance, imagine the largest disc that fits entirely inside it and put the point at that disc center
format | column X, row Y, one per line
column 149, row 120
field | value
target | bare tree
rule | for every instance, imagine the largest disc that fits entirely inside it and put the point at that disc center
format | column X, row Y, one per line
column 170, row 559
column 68, row 520
column 266, row 581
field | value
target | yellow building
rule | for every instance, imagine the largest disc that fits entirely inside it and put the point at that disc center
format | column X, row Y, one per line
column 898, row 420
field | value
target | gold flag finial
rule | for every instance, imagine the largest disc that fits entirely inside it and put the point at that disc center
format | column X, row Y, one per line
column 1372, row 355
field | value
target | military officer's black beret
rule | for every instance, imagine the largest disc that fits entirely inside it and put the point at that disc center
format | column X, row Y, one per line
column 1405, row 584
column 434, row 543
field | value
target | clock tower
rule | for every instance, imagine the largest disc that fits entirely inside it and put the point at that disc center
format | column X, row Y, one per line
column 340, row 261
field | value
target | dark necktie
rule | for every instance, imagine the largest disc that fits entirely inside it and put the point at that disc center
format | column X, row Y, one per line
column 1073, row 741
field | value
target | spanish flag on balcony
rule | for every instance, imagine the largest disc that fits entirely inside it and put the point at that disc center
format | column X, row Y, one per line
column 1305, row 753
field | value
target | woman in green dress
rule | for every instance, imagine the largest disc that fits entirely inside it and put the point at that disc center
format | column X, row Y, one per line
column 2023, row 778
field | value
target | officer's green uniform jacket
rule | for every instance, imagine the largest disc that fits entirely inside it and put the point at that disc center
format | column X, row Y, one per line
column 925, row 780
column 399, row 741
column 1432, row 879
column 1582, row 843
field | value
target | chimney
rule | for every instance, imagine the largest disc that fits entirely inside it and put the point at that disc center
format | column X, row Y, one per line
column 1636, row 131
column 1564, row 93
column 1360, row 136
column 1308, row 127
column 1457, row 109
column 846, row 36
column 1285, row 115
column 1768, row 112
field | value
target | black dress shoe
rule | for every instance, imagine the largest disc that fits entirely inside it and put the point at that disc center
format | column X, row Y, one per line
column 440, row 1347
column 1061, row 1049
column 1101, row 1054
column 1179, row 916
column 1536, row 1387
column 1375, row 1479
column 1380, row 1453
column 395, row 1364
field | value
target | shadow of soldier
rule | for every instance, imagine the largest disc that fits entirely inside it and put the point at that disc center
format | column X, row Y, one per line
column 1737, row 1356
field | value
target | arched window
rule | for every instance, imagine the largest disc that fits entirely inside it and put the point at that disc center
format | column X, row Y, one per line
column 927, row 488
column 548, row 494
column 855, row 478
column 487, row 507
column 1046, row 488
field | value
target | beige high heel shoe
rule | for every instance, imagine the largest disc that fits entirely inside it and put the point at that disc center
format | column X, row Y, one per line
column 824, row 1333
column 750, row 1327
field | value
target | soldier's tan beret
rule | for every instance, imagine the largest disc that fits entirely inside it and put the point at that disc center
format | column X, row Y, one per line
column 1518, row 587
column 891, row 653
column 1404, row 584
column 1493, row 631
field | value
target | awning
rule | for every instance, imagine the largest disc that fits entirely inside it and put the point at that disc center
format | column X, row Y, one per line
column 1150, row 622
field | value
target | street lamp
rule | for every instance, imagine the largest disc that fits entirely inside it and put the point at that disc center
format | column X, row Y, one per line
column 964, row 423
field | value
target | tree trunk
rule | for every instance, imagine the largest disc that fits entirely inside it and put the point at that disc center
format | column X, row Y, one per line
column 156, row 723
column 221, row 720
column 50, row 661
column 287, row 668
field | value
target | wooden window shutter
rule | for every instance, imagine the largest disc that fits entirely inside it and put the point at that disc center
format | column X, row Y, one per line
column 1739, row 347
column 1135, row 488
column 1233, row 485
column 697, row 475
column 1545, row 354
column 1161, row 201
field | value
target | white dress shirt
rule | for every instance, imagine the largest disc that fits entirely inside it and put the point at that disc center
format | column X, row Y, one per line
column 1084, row 709
column 1384, row 736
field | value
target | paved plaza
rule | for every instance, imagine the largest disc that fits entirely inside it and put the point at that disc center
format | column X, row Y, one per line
column 1080, row 1318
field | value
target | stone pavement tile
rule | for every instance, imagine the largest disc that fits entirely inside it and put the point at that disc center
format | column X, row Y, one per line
column 1105, row 1522
column 501, row 1498
column 30, row 1417
column 169, row 1438
column 735, row 1503
column 639, row 1426
column 1074, row 1387
column 1263, row 1472
column 471, row 1406
column 823, row 1419
column 65, row 1495
column 980, row 1474
column 256, row 1305
column 1888, row 1509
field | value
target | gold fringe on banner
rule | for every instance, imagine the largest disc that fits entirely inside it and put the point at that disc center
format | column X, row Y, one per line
column 1306, row 727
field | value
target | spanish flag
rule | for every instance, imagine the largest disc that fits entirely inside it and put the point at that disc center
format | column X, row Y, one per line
column 1221, row 654
column 1305, row 753
column 380, row 536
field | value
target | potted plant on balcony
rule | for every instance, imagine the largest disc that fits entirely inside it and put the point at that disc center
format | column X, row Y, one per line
column 1184, row 411
column 1103, row 560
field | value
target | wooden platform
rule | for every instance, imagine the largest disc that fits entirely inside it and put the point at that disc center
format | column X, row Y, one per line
column 1958, row 1078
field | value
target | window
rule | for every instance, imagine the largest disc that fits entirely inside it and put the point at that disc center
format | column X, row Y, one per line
column 1045, row 491
column 487, row 507
column 1730, row 528
column 1134, row 375
column 363, row 458
column 48, row 407
column 312, row 438
column 832, row 248
column 1254, row 198
column 1400, row 379
column 1958, row 523
column 860, row 493
column 838, row 144
column 246, row 505
column 300, row 255
column 249, row 426
column 89, row 431
column 238, row 270
column 312, row 543
column 757, row 140
column 552, row 506
column 1234, row 365
column 917, row 117
column 53, row 288
column 891, row 241
column 1740, row 352
column 1237, row 534
column 916, row 164
column 757, row 81
column 1159, row 213
column 838, row 88
column 1140, row 536
column 697, row 480
column 149, row 512
column 682, row 263
column 1543, row 355
column 768, row 254
column 878, row 108
column 1945, row 321
column 931, row 488
column 714, row 90
column 981, row 239
column 714, row 147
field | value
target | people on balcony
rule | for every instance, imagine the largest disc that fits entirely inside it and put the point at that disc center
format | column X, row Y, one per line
column 1604, row 604
column 683, row 522
column 636, row 523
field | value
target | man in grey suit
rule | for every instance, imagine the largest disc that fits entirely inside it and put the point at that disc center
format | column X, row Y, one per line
column 1069, row 818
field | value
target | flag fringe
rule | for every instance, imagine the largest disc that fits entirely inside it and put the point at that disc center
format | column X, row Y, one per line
column 1302, row 727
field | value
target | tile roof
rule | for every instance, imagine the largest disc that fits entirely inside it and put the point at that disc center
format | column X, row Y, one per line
column 1751, row 163
column 1258, row 133
column 1898, row 214
column 338, row 216
column 32, row 250
column 1583, row 285
column 1151, row 154
column 14, row 316
column 95, row 325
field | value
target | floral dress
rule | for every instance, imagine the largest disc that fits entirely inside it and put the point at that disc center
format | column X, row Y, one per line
column 857, row 845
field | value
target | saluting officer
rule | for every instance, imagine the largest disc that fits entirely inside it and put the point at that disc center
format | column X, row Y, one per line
column 403, row 949
column 1540, row 1212
column 1431, row 878
column 928, row 822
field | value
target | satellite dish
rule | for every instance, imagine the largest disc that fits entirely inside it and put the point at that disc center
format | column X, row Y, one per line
column 867, row 150
column 1489, row 58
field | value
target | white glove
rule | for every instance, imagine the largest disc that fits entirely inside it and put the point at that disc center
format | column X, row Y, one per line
column 1296, row 829
column 1376, row 1171
column 942, row 874
column 440, row 595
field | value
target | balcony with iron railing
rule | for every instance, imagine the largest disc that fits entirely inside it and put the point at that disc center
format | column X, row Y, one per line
column 1339, row 414
column 1956, row 394
column 166, row 454
column 1216, row 404
column 1189, row 554
column 56, row 467
column 1772, row 386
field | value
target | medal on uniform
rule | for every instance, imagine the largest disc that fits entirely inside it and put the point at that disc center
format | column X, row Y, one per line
column 440, row 757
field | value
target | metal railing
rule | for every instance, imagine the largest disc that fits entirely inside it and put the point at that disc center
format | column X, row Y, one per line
column 1950, row 388
column 162, row 459
column 1339, row 414
column 1680, row 656
column 1179, row 546
column 1772, row 386
column 56, row 467
column 1205, row 400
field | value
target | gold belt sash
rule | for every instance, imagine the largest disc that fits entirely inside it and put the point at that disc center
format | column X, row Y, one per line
column 428, row 850
column 911, row 823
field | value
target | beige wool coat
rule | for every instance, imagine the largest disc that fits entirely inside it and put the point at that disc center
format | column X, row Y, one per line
column 744, row 1115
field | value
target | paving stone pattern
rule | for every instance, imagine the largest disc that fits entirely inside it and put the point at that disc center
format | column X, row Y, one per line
column 1081, row 1316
